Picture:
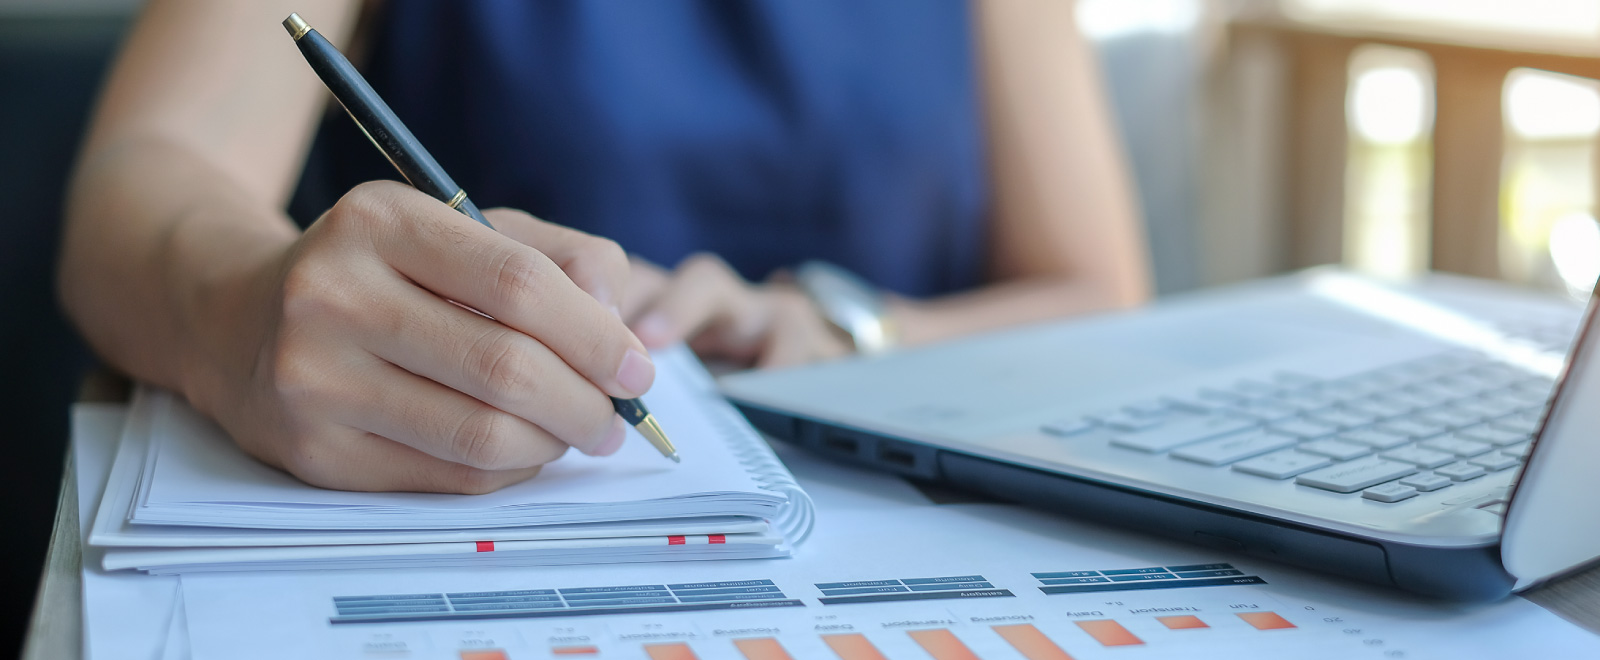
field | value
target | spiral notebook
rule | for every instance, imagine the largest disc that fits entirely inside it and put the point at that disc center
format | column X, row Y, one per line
column 182, row 497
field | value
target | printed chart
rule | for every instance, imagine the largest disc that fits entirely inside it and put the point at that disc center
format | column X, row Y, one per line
column 1192, row 610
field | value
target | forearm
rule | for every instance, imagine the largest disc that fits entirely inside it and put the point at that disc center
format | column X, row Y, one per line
column 1000, row 305
column 158, row 244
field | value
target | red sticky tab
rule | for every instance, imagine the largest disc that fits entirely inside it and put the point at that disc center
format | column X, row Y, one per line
column 676, row 540
column 716, row 538
column 486, row 546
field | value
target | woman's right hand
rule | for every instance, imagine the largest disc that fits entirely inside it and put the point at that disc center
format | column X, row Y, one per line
column 355, row 362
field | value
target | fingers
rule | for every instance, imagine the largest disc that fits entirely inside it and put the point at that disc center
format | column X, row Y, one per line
column 703, row 292
column 457, row 259
column 494, row 364
column 358, row 460
column 645, row 282
column 598, row 266
column 446, row 424
column 799, row 335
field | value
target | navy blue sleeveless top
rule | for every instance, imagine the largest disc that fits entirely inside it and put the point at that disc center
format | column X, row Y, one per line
column 765, row 131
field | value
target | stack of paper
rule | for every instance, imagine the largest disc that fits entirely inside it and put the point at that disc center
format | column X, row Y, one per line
column 183, row 498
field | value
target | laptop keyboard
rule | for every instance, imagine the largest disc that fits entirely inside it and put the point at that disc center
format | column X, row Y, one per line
column 1390, row 433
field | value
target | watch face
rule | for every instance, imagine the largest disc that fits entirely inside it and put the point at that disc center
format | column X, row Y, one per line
column 846, row 301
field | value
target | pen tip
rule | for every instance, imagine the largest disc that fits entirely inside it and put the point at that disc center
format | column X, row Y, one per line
column 675, row 459
column 296, row 26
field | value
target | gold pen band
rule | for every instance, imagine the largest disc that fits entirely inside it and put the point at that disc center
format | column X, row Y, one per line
column 455, row 202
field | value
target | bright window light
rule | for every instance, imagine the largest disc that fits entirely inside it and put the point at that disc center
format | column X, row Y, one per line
column 1547, row 195
column 1388, row 164
column 1547, row 106
column 1109, row 19
column 1558, row 18
column 1389, row 105
column 1575, row 249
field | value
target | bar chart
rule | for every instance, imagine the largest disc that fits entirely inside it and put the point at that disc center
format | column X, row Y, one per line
column 570, row 601
column 1031, row 641
column 1080, row 614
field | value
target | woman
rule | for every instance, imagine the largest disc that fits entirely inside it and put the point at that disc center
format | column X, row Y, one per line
column 959, row 157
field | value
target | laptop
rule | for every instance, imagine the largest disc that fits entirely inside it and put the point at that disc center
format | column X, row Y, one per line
column 1437, row 435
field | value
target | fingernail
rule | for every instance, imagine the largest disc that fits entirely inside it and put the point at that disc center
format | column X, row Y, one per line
column 613, row 441
column 636, row 373
column 652, row 329
column 603, row 295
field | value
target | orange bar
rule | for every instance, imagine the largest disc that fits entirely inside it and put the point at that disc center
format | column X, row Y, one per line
column 1031, row 643
column 673, row 651
column 1265, row 620
column 941, row 644
column 484, row 654
column 853, row 646
column 574, row 650
column 1183, row 622
column 1109, row 633
column 761, row 648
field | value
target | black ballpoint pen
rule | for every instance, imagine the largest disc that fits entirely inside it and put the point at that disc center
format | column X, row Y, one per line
column 391, row 137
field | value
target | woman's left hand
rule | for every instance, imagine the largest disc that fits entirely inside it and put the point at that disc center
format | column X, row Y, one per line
column 722, row 316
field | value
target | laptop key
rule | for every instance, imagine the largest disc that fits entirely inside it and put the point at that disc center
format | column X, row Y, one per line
column 1380, row 408
column 1427, row 481
column 1491, row 406
column 1344, row 418
column 1336, row 449
column 1492, row 435
column 1356, row 475
column 1457, row 446
column 1518, row 451
column 1449, row 417
column 1390, row 492
column 1232, row 448
column 1423, row 458
column 1282, row 464
column 1415, row 428
column 1461, row 471
column 1067, row 428
column 1523, row 422
column 1125, row 422
column 1496, row 462
column 1376, row 438
column 1266, row 410
column 1178, row 433
column 1305, row 429
column 1306, row 401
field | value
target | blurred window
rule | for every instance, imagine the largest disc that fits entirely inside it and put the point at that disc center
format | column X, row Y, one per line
column 1547, row 197
column 1577, row 19
column 1108, row 19
column 1389, row 111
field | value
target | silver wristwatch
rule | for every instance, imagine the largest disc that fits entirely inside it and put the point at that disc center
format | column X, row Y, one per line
column 848, row 302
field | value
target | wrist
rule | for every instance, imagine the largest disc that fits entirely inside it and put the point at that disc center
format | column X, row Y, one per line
column 223, row 307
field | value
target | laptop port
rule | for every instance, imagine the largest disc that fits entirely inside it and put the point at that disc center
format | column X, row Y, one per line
column 841, row 444
column 899, row 457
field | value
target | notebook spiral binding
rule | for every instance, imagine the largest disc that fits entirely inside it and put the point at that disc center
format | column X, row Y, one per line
column 796, row 518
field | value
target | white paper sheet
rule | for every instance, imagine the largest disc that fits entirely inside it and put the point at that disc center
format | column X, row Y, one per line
column 125, row 615
column 291, row 615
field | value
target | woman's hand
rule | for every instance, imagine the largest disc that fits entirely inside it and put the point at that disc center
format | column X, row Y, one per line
column 363, row 368
column 724, row 317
